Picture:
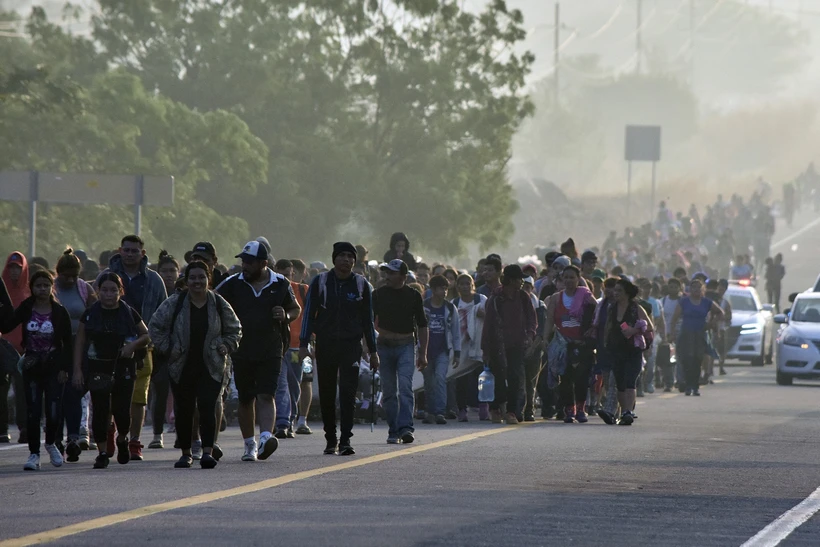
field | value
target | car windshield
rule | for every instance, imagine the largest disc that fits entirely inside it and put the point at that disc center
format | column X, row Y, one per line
column 742, row 301
column 807, row 310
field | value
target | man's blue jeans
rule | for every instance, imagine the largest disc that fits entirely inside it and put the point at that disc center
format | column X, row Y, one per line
column 397, row 367
column 288, row 389
column 435, row 384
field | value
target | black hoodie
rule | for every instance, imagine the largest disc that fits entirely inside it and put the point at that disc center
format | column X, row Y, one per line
column 408, row 258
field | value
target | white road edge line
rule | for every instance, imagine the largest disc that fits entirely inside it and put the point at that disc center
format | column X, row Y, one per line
column 798, row 233
column 786, row 523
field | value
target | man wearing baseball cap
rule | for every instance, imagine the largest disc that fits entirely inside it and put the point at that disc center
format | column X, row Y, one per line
column 264, row 302
column 399, row 311
column 206, row 252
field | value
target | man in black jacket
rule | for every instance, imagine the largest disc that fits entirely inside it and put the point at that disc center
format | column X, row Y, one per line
column 339, row 312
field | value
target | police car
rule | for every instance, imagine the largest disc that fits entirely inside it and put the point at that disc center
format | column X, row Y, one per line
column 798, row 342
column 751, row 334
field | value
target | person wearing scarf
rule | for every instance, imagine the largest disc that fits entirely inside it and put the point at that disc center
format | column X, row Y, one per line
column 15, row 277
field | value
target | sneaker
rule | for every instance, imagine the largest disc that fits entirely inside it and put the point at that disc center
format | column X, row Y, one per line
column 607, row 417
column 407, row 438
column 548, row 412
column 216, row 452
column 722, row 371
column 184, row 462
column 626, row 419
column 496, row 417
column 429, row 419
column 451, row 415
column 5, row 438
column 688, row 392
column 157, row 442
column 124, row 451
column 441, row 420
column 696, row 393
column 207, row 462
column 84, row 442
column 392, row 440
column 290, row 433
column 484, row 412
column 268, row 447
column 511, row 418
column 581, row 417
column 135, row 448
column 650, row 388
column 345, row 449
column 529, row 417
column 196, row 450
column 667, row 390
column 330, row 449
column 250, row 452
column 281, row 433
column 73, row 451
column 91, row 445
column 303, row 430
column 101, row 462
column 462, row 416
column 33, row 463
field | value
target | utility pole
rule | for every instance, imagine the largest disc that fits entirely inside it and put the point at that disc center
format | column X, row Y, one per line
column 557, row 51
column 692, row 43
column 638, row 46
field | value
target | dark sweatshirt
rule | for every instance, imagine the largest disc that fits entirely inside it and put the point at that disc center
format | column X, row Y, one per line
column 340, row 312
column 63, row 341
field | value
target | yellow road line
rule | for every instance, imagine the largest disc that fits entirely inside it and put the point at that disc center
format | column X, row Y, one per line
column 148, row 510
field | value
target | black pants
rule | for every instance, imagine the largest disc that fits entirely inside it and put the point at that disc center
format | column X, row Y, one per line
column 572, row 391
column 72, row 413
column 196, row 390
column 42, row 386
column 6, row 381
column 690, row 351
column 160, row 386
column 116, row 401
column 509, row 381
column 531, row 367
column 663, row 362
column 467, row 389
column 338, row 359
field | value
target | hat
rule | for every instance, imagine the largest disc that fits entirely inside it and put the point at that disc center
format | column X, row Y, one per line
column 395, row 265
column 318, row 265
column 343, row 247
column 561, row 262
column 529, row 280
column 82, row 255
column 513, row 271
column 576, row 261
column 264, row 241
column 598, row 273
column 204, row 247
column 253, row 250
column 588, row 256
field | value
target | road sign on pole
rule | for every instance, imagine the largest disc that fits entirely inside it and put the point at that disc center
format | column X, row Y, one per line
column 642, row 143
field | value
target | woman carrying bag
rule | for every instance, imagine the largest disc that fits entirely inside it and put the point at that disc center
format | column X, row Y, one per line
column 44, row 365
column 197, row 330
column 109, row 347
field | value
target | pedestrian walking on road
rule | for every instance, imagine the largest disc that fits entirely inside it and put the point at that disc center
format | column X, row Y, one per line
column 339, row 313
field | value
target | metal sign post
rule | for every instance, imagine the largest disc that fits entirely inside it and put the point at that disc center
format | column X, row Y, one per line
column 642, row 143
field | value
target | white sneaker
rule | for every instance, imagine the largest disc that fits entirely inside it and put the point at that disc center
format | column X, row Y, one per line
column 196, row 450
column 33, row 463
column 54, row 454
column 250, row 452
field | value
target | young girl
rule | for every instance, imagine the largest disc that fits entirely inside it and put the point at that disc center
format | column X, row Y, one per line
column 45, row 363
column 109, row 336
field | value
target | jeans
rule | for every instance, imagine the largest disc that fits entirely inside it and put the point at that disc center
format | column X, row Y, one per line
column 397, row 366
column 435, row 384
column 39, row 386
column 509, row 381
column 338, row 359
column 6, row 381
column 288, row 389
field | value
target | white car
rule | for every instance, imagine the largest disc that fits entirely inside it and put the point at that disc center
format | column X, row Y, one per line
column 751, row 335
column 798, row 342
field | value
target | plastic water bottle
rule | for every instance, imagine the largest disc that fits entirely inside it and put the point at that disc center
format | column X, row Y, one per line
column 307, row 366
column 486, row 386
column 92, row 351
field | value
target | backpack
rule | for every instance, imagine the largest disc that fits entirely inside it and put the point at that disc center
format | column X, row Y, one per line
column 360, row 281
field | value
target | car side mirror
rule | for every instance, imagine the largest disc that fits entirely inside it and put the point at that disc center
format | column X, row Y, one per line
column 781, row 318
column 768, row 307
column 792, row 296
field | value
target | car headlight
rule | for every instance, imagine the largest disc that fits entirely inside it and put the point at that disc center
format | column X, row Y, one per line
column 751, row 328
column 796, row 341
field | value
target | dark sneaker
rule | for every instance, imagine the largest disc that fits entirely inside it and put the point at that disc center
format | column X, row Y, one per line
column 184, row 462
column 216, row 452
column 696, row 393
column 268, row 448
column 441, row 420
column 607, row 417
column 101, row 462
column 548, row 412
column 581, row 416
column 429, row 419
column 688, row 392
column 407, row 438
column 207, row 462
column 346, row 450
column 529, row 417
column 303, row 430
column 123, row 453
column 667, row 390
column 722, row 371
column 626, row 419
column 281, row 433
column 450, row 415
column 73, row 451
column 330, row 449
column 392, row 440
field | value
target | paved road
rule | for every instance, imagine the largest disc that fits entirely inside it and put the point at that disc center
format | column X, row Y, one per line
column 712, row 470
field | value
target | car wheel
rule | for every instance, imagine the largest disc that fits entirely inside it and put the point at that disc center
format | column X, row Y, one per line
column 784, row 379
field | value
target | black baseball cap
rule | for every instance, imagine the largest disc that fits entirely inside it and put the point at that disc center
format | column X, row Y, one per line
column 204, row 247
